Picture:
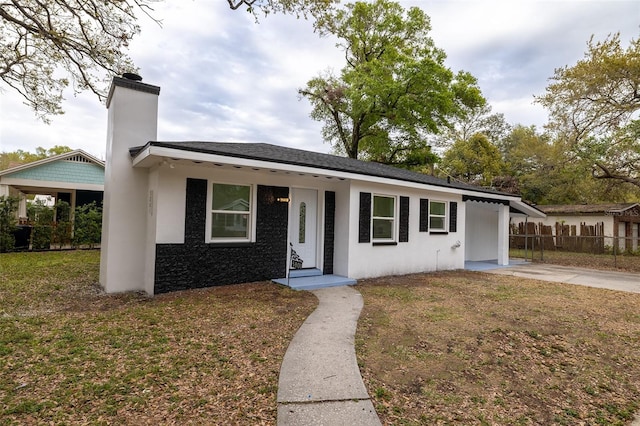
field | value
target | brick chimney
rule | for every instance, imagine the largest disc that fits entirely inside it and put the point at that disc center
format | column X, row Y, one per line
column 132, row 121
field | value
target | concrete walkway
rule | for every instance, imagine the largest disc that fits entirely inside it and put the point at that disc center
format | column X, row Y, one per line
column 320, row 382
column 612, row 280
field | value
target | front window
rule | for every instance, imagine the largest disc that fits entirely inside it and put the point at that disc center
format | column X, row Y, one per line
column 230, row 212
column 437, row 215
column 384, row 212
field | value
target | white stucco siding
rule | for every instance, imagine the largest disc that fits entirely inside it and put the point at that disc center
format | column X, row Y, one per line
column 152, row 229
column 171, row 197
column 341, row 231
column 425, row 251
column 481, row 231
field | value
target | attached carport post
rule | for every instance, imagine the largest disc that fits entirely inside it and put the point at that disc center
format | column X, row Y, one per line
column 503, row 235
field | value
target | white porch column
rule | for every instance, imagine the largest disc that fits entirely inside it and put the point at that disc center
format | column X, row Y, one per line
column 22, row 206
column 503, row 235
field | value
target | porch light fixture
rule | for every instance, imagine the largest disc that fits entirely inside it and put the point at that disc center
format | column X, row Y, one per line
column 166, row 162
column 283, row 199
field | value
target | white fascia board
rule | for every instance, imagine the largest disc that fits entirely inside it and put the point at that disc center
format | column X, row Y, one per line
column 152, row 155
column 624, row 209
column 527, row 209
column 51, row 185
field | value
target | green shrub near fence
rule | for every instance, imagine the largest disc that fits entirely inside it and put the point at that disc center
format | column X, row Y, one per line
column 41, row 216
column 63, row 228
column 88, row 225
column 8, row 209
column 84, row 229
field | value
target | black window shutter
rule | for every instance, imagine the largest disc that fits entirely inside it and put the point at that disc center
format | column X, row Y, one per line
column 195, row 211
column 329, row 227
column 403, row 236
column 424, row 215
column 364, row 232
column 453, row 216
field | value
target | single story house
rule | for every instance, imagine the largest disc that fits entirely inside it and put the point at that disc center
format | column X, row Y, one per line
column 619, row 220
column 75, row 177
column 181, row 215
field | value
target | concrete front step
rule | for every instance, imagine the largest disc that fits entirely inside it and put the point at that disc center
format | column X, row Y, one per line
column 307, row 272
column 315, row 282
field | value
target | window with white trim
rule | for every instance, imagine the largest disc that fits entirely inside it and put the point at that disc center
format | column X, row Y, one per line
column 230, row 215
column 437, row 216
column 384, row 218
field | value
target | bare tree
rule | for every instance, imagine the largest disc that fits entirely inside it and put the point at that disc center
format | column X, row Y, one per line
column 49, row 45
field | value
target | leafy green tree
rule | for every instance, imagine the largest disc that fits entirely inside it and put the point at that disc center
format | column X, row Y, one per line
column 593, row 105
column 475, row 119
column 476, row 161
column 10, row 159
column 394, row 90
column 546, row 171
column 615, row 156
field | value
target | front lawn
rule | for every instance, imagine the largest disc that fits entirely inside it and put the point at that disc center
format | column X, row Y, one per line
column 70, row 354
column 442, row 348
column 474, row 348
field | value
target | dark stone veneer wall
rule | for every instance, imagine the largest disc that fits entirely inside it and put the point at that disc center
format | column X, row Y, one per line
column 196, row 264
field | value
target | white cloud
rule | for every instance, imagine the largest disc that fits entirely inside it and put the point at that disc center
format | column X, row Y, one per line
column 225, row 78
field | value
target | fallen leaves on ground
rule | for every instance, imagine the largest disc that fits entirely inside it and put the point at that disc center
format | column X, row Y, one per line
column 475, row 348
column 70, row 354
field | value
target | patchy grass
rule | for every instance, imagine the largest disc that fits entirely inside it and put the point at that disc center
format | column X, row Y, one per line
column 459, row 347
column 70, row 354
column 474, row 348
column 621, row 262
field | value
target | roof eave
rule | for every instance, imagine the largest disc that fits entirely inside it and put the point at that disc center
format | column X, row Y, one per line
column 150, row 155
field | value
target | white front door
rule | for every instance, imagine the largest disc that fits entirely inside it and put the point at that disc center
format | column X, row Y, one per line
column 303, row 230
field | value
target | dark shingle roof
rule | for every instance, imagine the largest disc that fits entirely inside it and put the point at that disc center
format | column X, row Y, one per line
column 298, row 157
column 578, row 209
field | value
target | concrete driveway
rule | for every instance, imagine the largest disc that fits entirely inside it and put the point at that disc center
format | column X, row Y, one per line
column 621, row 281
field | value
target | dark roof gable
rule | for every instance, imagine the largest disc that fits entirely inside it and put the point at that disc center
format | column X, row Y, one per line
column 285, row 155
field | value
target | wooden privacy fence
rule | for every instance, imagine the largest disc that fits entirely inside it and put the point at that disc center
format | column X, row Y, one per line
column 561, row 237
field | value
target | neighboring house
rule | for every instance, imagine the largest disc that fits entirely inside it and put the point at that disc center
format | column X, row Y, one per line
column 619, row 220
column 75, row 177
column 181, row 215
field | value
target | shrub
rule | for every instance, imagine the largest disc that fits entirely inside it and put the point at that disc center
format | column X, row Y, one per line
column 62, row 230
column 42, row 218
column 87, row 225
column 8, row 209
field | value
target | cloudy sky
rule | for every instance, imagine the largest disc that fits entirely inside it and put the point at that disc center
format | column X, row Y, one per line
column 225, row 78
